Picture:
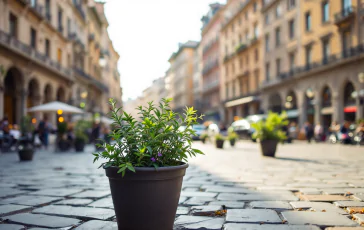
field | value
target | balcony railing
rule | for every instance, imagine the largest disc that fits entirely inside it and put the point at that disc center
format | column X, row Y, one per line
column 332, row 59
column 209, row 46
column 210, row 86
column 209, row 67
column 91, row 79
column 344, row 14
column 79, row 9
column 31, row 53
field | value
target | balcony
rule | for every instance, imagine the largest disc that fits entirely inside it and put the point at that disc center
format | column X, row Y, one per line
column 228, row 57
column 240, row 48
column 209, row 46
column 210, row 86
column 60, row 29
column 79, row 9
column 30, row 53
column 209, row 67
column 322, row 65
column 91, row 79
column 345, row 16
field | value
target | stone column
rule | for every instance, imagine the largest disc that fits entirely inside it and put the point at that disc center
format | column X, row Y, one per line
column 302, row 109
column 239, row 111
column 1, row 102
column 37, row 100
column 317, row 106
column 338, row 105
column 360, row 102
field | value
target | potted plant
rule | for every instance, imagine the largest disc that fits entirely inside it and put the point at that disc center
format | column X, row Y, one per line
column 204, row 137
column 81, row 137
column 61, row 131
column 269, row 132
column 26, row 147
column 219, row 141
column 232, row 137
column 146, row 164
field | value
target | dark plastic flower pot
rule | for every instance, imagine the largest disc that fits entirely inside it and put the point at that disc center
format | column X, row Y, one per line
column 147, row 199
column 79, row 145
column 232, row 142
column 203, row 140
column 269, row 147
column 63, row 145
column 26, row 154
column 219, row 144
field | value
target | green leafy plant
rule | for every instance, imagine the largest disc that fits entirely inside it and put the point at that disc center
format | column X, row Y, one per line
column 61, row 128
column 233, row 136
column 271, row 128
column 219, row 137
column 26, row 125
column 154, row 141
column 80, row 130
column 204, row 136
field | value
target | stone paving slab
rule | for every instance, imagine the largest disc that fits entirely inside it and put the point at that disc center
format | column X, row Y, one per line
column 343, row 204
column 276, row 205
column 253, row 216
column 253, row 197
column 206, row 210
column 182, row 211
column 103, row 203
column 323, row 198
column 235, row 226
column 318, row 206
column 11, row 208
column 195, row 201
column 75, row 202
column 11, row 227
column 43, row 220
column 4, row 192
column 92, row 194
column 98, row 224
column 359, row 197
column 229, row 204
column 56, row 192
column 198, row 194
column 322, row 219
column 83, row 212
column 344, row 228
column 198, row 222
column 29, row 200
column 359, row 218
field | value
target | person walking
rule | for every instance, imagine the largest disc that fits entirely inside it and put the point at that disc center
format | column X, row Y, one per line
column 318, row 132
column 308, row 131
column 44, row 128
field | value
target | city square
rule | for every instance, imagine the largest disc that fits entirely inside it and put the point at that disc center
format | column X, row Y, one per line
column 317, row 186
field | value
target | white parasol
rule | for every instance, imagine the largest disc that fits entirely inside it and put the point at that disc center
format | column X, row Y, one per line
column 56, row 106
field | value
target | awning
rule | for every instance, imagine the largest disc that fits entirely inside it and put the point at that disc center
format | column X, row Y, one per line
column 350, row 109
column 327, row 110
column 240, row 101
column 293, row 113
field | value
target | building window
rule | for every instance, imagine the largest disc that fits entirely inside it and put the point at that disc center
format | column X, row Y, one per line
column 13, row 25
column 267, row 71
column 308, row 56
column 48, row 9
column 33, row 38
column 246, row 36
column 59, row 56
column 68, row 26
column 325, row 50
column 256, row 31
column 346, row 4
column 308, row 21
column 278, row 11
column 266, row 19
column 247, row 59
column 227, row 91
column 292, row 60
column 255, row 6
column 60, row 19
column 241, row 63
column 325, row 11
column 291, row 4
column 278, row 66
column 267, row 43
column 68, row 60
column 346, row 41
column 234, row 86
column 256, row 54
column 47, row 48
column 291, row 29
column 278, row 36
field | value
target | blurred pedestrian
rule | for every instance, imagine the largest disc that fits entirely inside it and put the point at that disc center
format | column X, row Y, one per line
column 319, row 131
column 44, row 128
column 309, row 131
column 292, row 131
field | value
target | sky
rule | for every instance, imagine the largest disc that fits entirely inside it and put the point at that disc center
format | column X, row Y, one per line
column 146, row 32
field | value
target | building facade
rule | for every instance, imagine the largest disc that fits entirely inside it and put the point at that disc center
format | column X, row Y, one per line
column 181, row 66
column 241, row 57
column 46, row 54
column 320, row 79
column 210, row 33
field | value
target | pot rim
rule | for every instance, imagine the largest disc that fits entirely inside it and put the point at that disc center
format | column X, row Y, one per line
column 153, row 169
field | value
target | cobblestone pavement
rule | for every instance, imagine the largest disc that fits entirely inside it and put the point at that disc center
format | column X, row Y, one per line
column 306, row 187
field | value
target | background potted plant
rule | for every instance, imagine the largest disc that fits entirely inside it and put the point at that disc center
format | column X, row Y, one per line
column 81, row 137
column 232, row 137
column 146, row 164
column 61, row 140
column 26, row 147
column 219, row 141
column 204, row 137
column 269, row 132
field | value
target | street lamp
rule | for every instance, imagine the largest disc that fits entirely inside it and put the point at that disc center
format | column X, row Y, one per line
column 309, row 93
column 102, row 61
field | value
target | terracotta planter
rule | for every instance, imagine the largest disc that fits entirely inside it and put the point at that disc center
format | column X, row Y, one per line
column 232, row 142
column 219, row 144
column 147, row 199
column 268, row 147
column 26, row 154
